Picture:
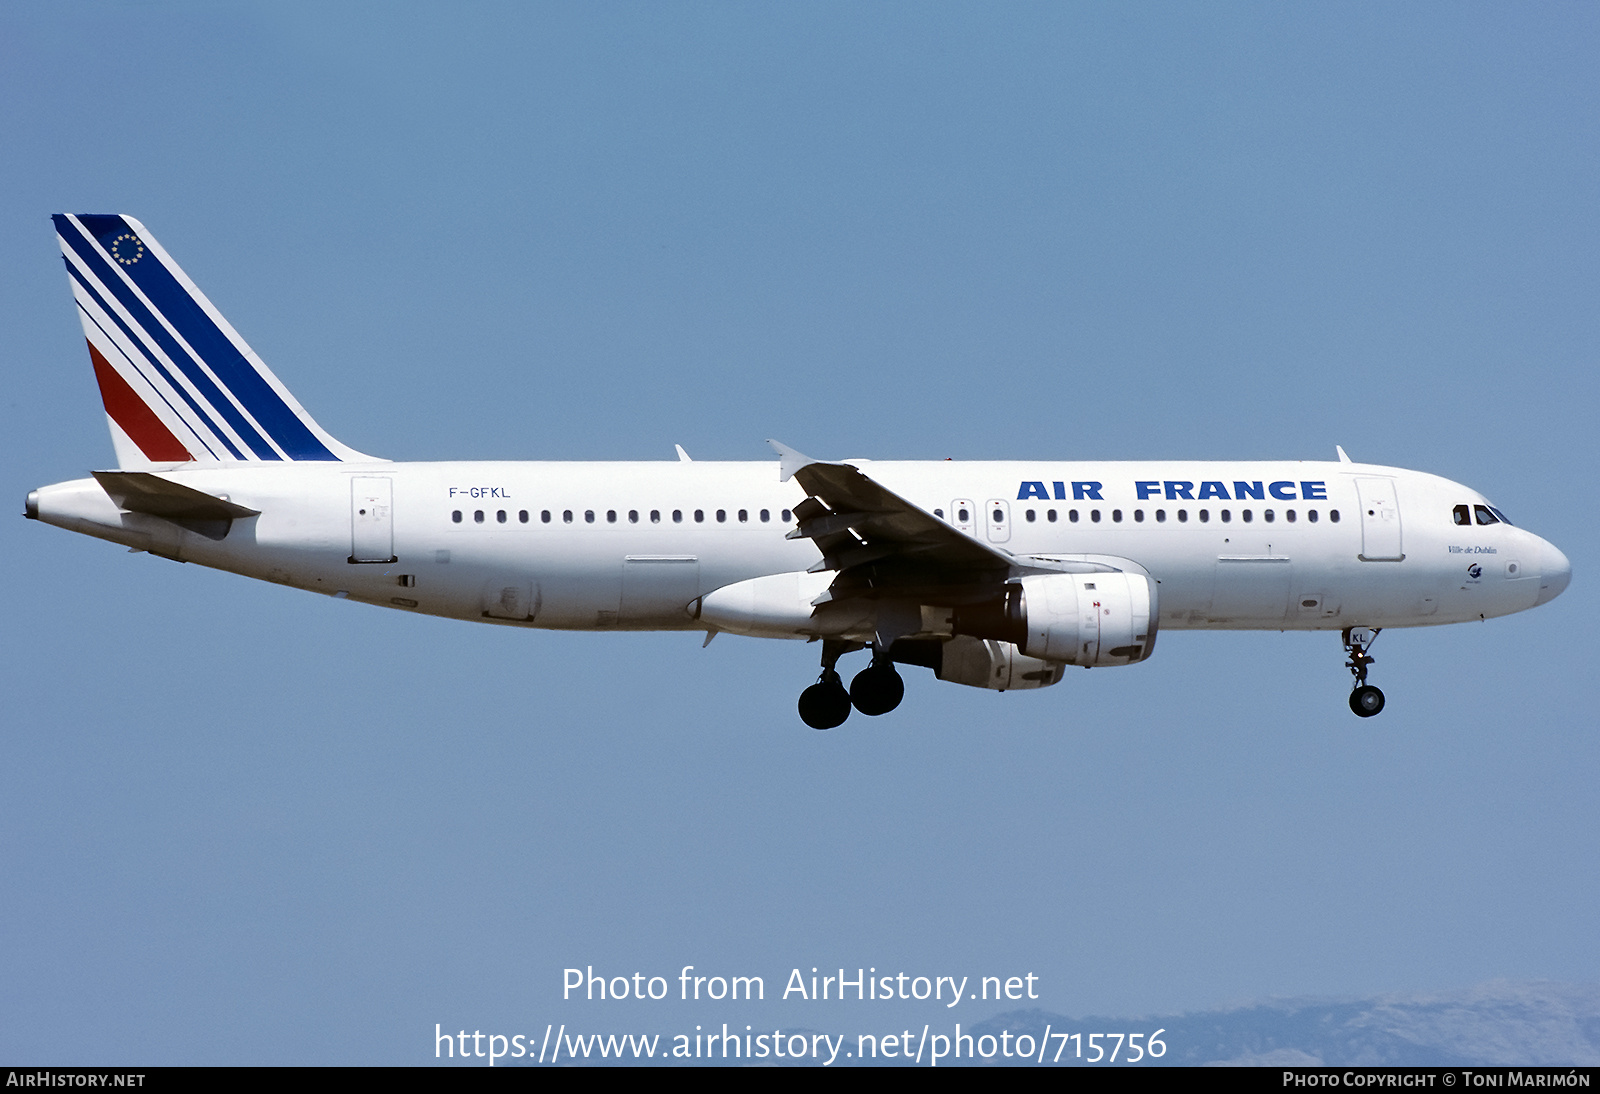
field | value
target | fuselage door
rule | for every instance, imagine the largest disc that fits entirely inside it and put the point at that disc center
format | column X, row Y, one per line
column 371, row 520
column 1380, row 520
column 997, row 515
column 657, row 589
column 964, row 515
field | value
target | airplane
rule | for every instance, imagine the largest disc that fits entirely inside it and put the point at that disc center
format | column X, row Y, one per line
column 996, row 575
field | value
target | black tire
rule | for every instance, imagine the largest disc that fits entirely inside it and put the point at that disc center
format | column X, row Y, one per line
column 1366, row 701
column 877, row 689
column 825, row 704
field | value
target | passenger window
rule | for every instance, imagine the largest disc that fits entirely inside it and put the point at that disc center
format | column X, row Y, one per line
column 522, row 515
column 1248, row 516
column 633, row 516
column 1484, row 516
column 1205, row 516
column 766, row 515
column 1072, row 515
column 1333, row 515
column 478, row 516
column 937, row 512
column 544, row 516
column 963, row 516
column 744, row 515
column 1312, row 516
column 1094, row 515
column 500, row 516
column 1227, row 516
column 456, row 516
column 786, row 516
column 677, row 516
column 1031, row 517
column 999, row 516
column 1462, row 515
column 1050, row 515
column 611, row 516
column 1267, row 516
column 566, row 516
column 699, row 516
column 1138, row 515
column 1116, row 515
column 722, row 516
column 1161, row 516
column 1183, row 516
column 655, row 516
column 588, row 516
column 1288, row 515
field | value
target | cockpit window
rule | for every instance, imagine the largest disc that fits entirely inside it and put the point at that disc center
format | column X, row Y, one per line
column 1484, row 515
column 1463, row 515
column 1503, row 518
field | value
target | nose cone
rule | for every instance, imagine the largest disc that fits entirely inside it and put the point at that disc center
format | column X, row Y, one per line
column 1555, row 572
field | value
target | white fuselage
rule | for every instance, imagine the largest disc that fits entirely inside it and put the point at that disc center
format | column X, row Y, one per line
column 585, row 546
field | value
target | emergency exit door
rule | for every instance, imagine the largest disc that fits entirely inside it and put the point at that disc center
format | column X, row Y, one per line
column 997, row 519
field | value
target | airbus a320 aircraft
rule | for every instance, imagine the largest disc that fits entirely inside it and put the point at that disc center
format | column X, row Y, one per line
column 993, row 575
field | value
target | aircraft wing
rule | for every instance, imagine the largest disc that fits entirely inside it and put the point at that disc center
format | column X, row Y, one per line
column 883, row 545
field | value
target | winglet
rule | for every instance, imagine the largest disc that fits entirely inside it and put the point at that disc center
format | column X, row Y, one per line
column 1339, row 448
column 790, row 460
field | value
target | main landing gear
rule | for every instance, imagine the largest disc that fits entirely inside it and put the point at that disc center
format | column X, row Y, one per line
column 825, row 704
column 876, row 689
column 1365, row 700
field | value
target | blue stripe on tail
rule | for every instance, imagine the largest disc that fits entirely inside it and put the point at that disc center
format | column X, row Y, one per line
column 153, row 330
column 138, row 341
column 209, row 342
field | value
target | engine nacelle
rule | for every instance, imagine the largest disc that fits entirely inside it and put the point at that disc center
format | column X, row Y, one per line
column 1092, row 619
column 985, row 663
column 977, row 662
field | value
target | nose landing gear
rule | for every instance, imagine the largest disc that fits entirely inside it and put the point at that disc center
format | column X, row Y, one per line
column 1365, row 699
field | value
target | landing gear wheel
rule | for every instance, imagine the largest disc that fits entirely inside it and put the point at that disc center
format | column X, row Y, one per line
column 877, row 689
column 1366, row 701
column 825, row 704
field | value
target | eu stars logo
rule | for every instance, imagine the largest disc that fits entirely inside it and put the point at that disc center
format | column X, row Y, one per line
column 127, row 248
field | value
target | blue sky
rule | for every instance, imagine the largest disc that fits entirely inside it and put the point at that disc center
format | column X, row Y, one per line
column 240, row 823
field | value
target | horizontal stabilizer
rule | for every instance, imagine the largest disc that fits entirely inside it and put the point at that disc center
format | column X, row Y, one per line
column 142, row 492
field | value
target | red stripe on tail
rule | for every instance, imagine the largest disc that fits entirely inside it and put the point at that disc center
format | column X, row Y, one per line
column 137, row 420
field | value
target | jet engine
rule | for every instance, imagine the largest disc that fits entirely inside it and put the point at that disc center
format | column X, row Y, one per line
column 1091, row 619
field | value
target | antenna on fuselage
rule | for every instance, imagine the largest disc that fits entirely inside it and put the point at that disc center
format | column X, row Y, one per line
column 1339, row 448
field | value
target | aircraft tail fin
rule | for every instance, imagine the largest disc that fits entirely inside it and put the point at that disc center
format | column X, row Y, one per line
column 178, row 383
